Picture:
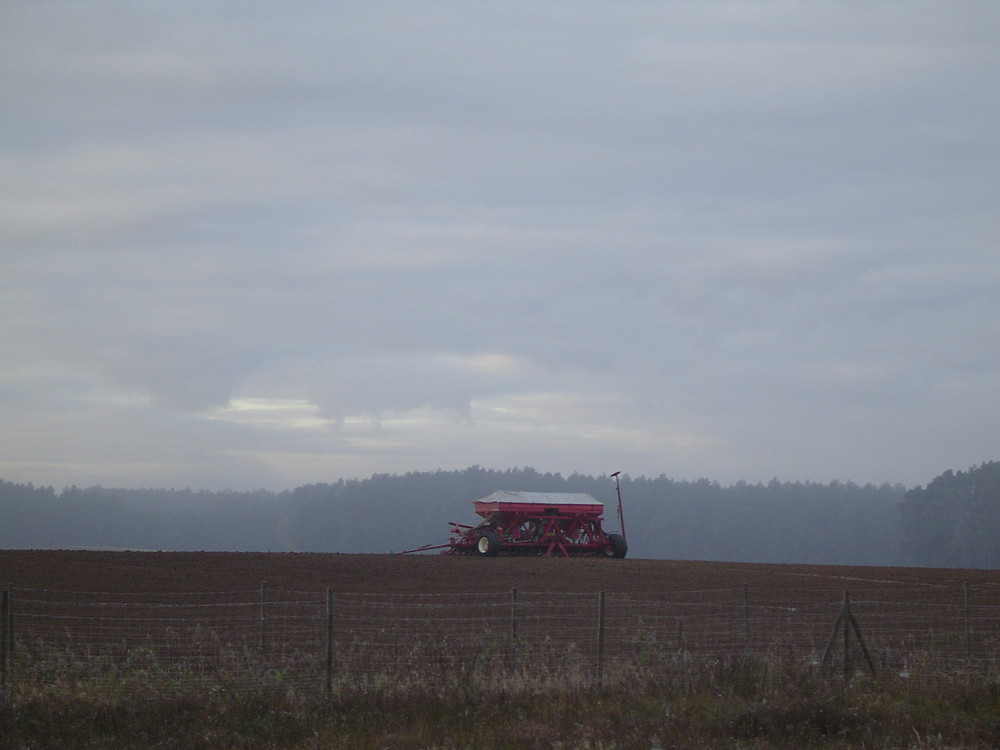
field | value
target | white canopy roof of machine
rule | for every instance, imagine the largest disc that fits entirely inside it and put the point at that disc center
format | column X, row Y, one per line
column 541, row 498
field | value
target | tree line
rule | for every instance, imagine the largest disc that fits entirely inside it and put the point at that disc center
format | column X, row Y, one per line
column 952, row 521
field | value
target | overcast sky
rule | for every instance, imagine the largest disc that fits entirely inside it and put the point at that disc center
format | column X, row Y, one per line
column 250, row 244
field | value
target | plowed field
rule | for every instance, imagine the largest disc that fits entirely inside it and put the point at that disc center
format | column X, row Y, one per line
column 148, row 572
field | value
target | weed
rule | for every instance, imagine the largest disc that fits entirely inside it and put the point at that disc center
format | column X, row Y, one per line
column 712, row 702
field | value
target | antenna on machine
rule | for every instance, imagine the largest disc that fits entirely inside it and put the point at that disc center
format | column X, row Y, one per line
column 621, row 515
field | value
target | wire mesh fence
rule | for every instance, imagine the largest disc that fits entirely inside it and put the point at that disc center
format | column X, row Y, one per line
column 327, row 639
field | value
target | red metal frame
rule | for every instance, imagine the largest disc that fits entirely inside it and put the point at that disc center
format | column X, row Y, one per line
column 534, row 529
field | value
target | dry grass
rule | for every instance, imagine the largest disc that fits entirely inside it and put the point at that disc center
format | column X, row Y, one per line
column 96, row 701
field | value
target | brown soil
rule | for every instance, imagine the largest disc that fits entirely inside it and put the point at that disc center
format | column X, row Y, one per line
column 229, row 571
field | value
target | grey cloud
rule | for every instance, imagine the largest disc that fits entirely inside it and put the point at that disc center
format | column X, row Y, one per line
column 684, row 235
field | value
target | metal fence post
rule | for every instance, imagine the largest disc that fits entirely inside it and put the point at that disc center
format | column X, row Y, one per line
column 263, row 616
column 4, row 622
column 847, row 633
column 847, row 622
column 746, row 620
column 968, row 623
column 329, row 639
column 600, row 641
column 513, row 628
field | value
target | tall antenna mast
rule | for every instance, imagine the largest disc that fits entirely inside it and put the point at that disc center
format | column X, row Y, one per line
column 621, row 515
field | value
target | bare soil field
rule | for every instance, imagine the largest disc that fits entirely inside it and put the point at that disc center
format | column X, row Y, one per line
column 149, row 572
column 172, row 649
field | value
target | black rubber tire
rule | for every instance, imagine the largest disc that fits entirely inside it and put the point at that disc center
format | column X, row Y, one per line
column 488, row 544
column 617, row 546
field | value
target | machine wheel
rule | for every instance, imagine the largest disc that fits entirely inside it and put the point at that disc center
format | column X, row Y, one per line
column 617, row 546
column 488, row 544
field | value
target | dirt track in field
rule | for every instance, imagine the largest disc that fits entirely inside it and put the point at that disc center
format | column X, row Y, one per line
column 229, row 571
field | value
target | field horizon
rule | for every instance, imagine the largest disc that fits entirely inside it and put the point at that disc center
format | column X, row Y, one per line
column 147, row 572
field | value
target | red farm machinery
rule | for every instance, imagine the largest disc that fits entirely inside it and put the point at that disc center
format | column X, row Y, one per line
column 536, row 523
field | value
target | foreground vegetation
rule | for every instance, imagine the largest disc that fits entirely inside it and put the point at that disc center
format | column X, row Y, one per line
column 720, row 704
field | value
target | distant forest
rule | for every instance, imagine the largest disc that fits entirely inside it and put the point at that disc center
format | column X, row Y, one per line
column 953, row 521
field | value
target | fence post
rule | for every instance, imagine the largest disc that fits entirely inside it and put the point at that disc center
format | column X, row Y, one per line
column 746, row 620
column 600, row 641
column 329, row 639
column 968, row 623
column 4, row 622
column 263, row 616
column 847, row 622
column 841, row 621
column 847, row 633
column 513, row 628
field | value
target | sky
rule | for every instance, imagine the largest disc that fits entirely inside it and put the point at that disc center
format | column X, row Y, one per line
column 258, row 245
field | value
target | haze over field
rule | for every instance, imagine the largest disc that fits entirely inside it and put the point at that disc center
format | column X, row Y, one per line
column 260, row 245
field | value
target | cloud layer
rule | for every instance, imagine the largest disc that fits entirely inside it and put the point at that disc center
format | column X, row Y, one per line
column 247, row 246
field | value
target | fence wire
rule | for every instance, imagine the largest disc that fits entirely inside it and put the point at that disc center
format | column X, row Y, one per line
column 311, row 640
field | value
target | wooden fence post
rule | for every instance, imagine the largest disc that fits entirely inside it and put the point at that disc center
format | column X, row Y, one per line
column 600, row 641
column 513, row 628
column 329, row 639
